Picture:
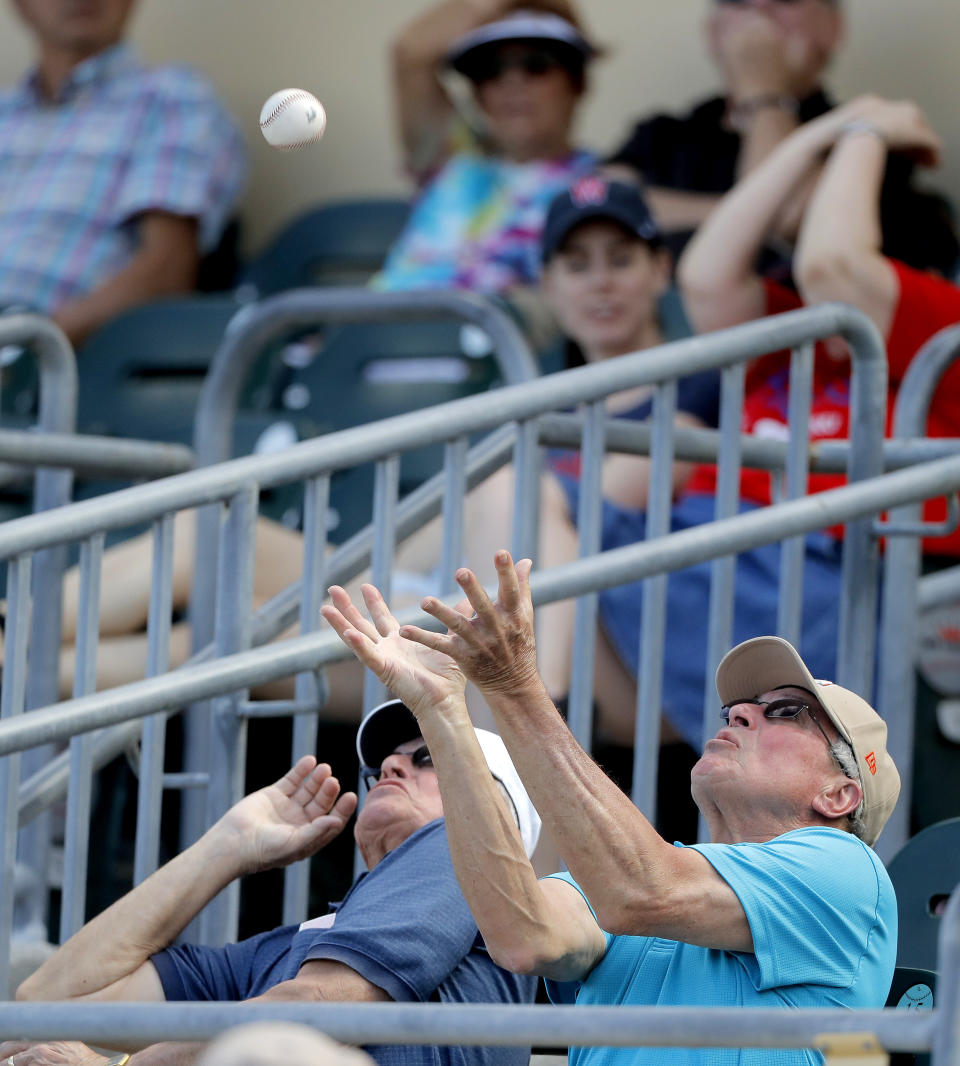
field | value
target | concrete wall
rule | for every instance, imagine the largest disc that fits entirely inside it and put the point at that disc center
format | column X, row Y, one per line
column 337, row 49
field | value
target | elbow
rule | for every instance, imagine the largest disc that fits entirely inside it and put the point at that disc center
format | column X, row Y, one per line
column 521, row 959
column 826, row 273
column 28, row 991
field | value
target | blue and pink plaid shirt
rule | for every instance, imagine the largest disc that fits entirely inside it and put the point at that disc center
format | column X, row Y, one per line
column 75, row 173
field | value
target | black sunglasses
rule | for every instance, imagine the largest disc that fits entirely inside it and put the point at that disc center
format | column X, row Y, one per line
column 785, row 707
column 420, row 758
column 494, row 64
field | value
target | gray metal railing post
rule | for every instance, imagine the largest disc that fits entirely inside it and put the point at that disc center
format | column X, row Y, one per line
column 219, row 398
column 57, row 413
column 860, row 575
column 228, row 733
column 11, row 708
column 897, row 695
column 646, row 744
column 946, row 1035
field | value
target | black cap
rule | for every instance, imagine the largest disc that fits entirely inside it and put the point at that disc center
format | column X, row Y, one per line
column 595, row 197
column 384, row 729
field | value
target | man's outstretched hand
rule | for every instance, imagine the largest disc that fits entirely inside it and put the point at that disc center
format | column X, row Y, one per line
column 423, row 678
column 291, row 819
column 488, row 642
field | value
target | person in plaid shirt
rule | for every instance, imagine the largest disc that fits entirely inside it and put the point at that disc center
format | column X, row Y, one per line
column 114, row 178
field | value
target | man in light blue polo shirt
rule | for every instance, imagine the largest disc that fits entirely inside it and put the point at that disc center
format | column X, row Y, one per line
column 787, row 906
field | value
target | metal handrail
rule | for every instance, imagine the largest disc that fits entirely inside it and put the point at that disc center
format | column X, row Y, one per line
column 896, row 690
column 498, row 1025
column 604, row 570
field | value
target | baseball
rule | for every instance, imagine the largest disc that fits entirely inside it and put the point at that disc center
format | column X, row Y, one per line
column 292, row 118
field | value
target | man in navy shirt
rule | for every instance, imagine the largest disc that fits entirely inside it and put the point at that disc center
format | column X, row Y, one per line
column 403, row 932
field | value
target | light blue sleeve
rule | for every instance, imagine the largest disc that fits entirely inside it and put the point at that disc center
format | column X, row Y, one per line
column 820, row 906
column 565, row 992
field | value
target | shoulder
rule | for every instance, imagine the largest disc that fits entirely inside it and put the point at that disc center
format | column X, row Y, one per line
column 818, row 857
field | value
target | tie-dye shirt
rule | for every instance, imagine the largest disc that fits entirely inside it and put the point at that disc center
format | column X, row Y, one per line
column 477, row 224
column 120, row 140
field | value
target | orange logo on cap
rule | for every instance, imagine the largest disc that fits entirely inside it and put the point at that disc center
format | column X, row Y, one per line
column 871, row 761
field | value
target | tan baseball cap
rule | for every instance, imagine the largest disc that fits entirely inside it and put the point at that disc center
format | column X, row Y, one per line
column 766, row 663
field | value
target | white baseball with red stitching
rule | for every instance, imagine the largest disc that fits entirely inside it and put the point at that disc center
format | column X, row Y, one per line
column 292, row 118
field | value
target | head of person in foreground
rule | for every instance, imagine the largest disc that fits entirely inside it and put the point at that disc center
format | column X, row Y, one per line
column 794, row 751
column 403, row 792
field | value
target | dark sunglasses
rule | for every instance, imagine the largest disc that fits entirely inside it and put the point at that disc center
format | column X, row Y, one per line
column 786, row 707
column 494, row 64
column 420, row 759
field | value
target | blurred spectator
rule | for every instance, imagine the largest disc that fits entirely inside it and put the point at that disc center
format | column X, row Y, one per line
column 484, row 191
column 605, row 276
column 771, row 55
column 114, row 178
column 279, row 1044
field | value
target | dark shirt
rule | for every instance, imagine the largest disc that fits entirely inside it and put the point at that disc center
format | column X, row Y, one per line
column 698, row 153
column 404, row 926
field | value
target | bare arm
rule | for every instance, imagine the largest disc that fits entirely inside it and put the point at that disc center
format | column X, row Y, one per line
column 636, row 882
column 716, row 272
column 626, row 478
column 165, row 263
column 839, row 253
column 109, row 957
column 424, row 110
column 528, row 926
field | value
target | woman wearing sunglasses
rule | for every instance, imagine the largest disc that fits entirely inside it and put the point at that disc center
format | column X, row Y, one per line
column 485, row 183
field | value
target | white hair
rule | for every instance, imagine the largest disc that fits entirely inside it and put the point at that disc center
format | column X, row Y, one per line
column 842, row 751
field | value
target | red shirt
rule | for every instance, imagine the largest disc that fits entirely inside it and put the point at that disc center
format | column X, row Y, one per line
column 926, row 304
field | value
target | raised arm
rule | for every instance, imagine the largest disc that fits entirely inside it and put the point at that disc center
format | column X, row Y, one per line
column 636, row 882
column 423, row 108
column 528, row 926
column 109, row 957
column 839, row 253
column 716, row 272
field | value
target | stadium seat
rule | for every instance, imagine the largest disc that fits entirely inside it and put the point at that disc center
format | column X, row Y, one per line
column 340, row 243
column 912, row 989
column 924, row 872
column 352, row 374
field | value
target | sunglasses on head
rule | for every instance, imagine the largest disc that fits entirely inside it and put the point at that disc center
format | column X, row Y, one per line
column 420, row 759
column 495, row 63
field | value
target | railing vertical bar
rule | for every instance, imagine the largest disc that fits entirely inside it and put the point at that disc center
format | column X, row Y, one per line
column 454, row 494
column 228, row 732
column 723, row 570
column 12, row 699
column 153, row 742
column 80, row 788
column 307, row 686
column 861, row 552
column 385, row 490
column 946, row 1035
column 527, row 462
column 790, row 606
column 646, row 745
column 589, row 514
